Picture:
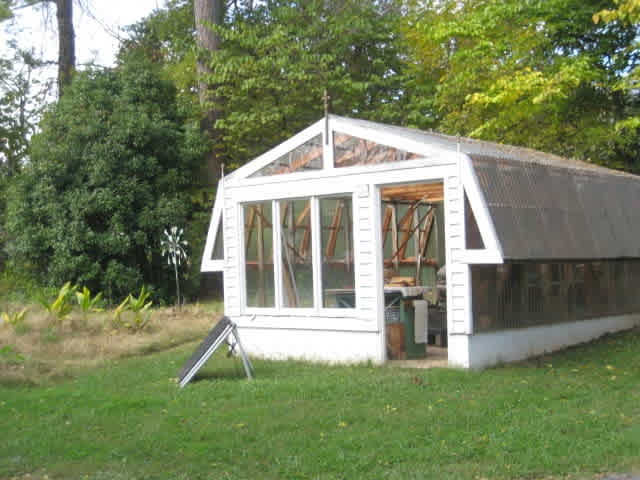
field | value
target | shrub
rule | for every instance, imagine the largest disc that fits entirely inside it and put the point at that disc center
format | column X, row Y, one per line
column 61, row 307
column 15, row 319
column 87, row 303
column 113, row 166
column 139, row 309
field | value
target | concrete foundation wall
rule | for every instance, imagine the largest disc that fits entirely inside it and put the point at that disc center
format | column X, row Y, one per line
column 458, row 350
column 316, row 345
column 486, row 349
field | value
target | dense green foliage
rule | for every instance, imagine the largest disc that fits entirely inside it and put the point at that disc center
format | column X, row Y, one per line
column 276, row 60
column 275, row 64
column 112, row 167
column 538, row 73
column 570, row 415
column 22, row 96
column 21, row 103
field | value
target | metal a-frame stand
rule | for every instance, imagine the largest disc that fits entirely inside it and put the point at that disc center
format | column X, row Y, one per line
column 223, row 331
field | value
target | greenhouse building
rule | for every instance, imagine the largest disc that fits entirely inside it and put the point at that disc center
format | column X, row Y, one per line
column 355, row 241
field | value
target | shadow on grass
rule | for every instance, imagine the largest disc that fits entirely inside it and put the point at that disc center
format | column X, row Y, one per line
column 220, row 368
column 219, row 374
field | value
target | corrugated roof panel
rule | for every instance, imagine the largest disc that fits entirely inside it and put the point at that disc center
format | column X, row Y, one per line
column 546, row 212
column 473, row 147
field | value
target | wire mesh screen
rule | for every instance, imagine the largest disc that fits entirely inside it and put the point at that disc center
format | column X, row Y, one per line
column 516, row 295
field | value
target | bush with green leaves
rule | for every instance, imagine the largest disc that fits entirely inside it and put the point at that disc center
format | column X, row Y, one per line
column 60, row 307
column 88, row 303
column 139, row 309
column 15, row 319
column 113, row 166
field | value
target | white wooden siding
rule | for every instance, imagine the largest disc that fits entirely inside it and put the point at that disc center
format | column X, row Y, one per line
column 458, row 301
column 364, row 256
column 232, row 275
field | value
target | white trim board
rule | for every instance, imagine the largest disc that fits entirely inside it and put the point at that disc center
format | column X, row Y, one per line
column 208, row 264
column 492, row 253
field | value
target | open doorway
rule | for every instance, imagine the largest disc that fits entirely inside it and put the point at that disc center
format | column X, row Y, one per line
column 413, row 244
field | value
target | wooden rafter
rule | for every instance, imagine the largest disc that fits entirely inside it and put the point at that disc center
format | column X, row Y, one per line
column 306, row 237
column 303, row 215
column 410, row 261
column 388, row 213
column 407, row 223
column 300, row 162
column 365, row 152
column 249, row 227
column 403, row 246
column 394, row 236
column 425, row 234
column 335, row 228
column 433, row 192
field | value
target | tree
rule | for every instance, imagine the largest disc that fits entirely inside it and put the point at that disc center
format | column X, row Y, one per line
column 276, row 60
column 22, row 100
column 111, row 168
column 167, row 38
column 66, row 34
column 66, row 43
column 628, row 128
column 207, row 15
column 536, row 73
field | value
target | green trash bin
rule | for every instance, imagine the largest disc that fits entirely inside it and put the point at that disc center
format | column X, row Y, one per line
column 407, row 315
column 399, row 309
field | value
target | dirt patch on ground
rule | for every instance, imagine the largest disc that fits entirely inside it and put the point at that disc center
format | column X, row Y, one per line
column 40, row 349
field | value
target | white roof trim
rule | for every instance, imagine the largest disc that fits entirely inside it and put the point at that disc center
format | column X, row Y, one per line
column 492, row 253
column 385, row 137
column 209, row 265
column 348, row 171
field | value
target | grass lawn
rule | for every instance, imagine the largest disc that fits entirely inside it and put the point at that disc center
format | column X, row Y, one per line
column 564, row 416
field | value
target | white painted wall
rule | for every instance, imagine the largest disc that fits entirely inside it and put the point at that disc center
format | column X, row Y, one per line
column 316, row 345
column 486, row 349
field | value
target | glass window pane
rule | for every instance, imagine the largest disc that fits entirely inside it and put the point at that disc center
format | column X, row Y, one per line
column 338, row 278
column 297, row 265
column 258, row 237
column 474, row 239
column 307, row 156
column 349, row 151
column 218, row 244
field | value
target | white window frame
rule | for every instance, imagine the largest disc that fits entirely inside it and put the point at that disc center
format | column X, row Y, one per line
column 316, row 244
column 279, row 280
column 242, row 257
column 208, row 264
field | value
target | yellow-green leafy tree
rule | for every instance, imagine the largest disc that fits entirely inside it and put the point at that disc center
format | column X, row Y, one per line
column 538, row 73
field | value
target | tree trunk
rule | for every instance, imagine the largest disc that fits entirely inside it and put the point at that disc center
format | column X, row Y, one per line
column 66, row 44
column 208, row 12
